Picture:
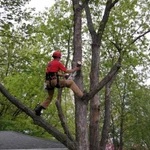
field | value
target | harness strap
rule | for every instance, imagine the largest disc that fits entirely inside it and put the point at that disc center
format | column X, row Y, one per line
column 51, row 76
column 57, row 85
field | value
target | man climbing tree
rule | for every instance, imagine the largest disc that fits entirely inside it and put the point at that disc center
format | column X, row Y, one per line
column 114, row 38
column 52, row 80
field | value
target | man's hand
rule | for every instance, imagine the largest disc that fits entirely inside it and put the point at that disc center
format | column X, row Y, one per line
column 77, row 68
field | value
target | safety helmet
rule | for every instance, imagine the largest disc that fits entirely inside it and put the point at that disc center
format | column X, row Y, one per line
column 57, row 54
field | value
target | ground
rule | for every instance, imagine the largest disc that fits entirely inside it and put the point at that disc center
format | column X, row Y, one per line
column 14, row 140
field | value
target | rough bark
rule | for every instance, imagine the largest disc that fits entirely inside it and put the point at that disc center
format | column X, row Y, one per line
column 94, row 102
column 106, row 124
column 80, row 106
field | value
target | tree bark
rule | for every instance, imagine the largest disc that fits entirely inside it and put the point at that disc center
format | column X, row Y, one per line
column 80, row 106
column 106, row 124
column 94, row 102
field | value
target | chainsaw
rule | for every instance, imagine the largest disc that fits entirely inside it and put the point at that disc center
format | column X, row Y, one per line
column 73, row 75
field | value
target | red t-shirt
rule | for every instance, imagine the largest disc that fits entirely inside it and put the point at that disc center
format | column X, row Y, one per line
column 55, row 66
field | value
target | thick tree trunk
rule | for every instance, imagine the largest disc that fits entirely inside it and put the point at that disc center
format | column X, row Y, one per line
column 80, row 106
column 94, row 103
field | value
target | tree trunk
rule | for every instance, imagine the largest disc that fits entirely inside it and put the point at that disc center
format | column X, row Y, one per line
column 122, row 118
column 94, row 103
column 106, row 124
column 80, row 106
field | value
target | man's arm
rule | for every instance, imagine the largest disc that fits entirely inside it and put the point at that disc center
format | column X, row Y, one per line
column 73, row 70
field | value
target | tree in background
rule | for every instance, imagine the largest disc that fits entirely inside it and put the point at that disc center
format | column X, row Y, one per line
column 117, row 38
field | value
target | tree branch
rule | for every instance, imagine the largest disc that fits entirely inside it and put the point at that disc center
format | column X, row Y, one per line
column 38, row 120
column 62, row 117
column 89, row 19
column 115, row 2
column 104, row 81
column 109, row 6
column 139, row 37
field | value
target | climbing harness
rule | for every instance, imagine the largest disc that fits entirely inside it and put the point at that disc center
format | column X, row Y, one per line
column 52, row 76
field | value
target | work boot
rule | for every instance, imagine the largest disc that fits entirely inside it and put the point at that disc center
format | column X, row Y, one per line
column 38, row 110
